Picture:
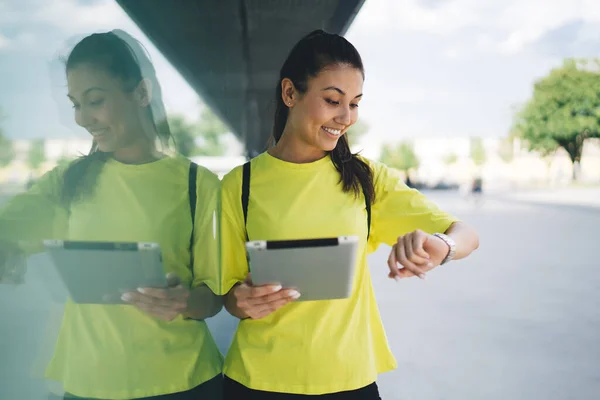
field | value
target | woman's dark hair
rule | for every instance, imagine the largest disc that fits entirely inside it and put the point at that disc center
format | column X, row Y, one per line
column 311, row 55
column 124, row 58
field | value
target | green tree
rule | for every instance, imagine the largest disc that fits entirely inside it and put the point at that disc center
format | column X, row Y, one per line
column 211, row 132
column 64, row 160
column 506, row 149
column 450, row 158
column 184, row 135
column 204, row 138
column 7, row 151
column 563, row 111
column 357, row 131
column 400, row 156
column 37, row 154
column 477, row 151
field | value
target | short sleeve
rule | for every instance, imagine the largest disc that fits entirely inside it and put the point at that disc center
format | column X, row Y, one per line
column 206, row 266
column 399, row 209
column 234, row 265
column 36, row 214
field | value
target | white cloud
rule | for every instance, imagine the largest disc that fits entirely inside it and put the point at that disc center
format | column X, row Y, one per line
column 21, row 41
column 59, row 23
column 484, row 42
column 452, row 52
column 4, row 42
column 26, row 39
column 589, row 33
column 513, row 23
column 71, row 17
column 410, row 15
column 8, row 15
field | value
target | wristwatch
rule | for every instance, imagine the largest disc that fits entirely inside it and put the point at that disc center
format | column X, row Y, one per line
column 451, row 245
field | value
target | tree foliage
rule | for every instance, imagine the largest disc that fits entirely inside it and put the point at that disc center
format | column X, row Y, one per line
column 563, row 111
column 211, row 132
column 7, row 151
column 357, row 131
column 400, row 156
column 478, row 151
column 204, row 138
column 450, row 158
column 37, row 154
column 506, row 149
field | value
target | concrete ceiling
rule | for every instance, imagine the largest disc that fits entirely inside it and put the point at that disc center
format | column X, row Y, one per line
column 230, row 51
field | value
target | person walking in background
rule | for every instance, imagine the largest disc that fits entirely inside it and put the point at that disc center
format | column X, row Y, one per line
column 477, row 189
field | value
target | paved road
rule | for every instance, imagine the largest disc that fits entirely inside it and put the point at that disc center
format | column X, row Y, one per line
column 520, row 319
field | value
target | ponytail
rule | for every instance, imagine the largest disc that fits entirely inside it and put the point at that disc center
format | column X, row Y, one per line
column 313, row 53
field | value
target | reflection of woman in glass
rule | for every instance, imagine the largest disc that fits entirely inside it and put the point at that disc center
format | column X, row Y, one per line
column 309, row 185
column 126, row 190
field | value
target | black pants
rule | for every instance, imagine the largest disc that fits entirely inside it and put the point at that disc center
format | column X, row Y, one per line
column 210, row 390
column 233, row 390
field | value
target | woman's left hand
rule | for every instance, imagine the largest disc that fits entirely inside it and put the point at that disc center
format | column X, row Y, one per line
column 166, row 303
column 416, row 253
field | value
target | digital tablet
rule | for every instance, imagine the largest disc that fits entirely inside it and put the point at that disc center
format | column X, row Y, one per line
column 320, row 269
column 100, row 272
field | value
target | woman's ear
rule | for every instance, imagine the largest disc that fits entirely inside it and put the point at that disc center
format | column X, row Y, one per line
column 288, row 92
column 143, row 92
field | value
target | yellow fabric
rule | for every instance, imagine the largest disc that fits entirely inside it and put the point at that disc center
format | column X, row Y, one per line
column 117, row 351
column 320, row 346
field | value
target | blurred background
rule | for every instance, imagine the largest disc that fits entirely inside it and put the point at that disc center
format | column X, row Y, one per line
column 504, row 95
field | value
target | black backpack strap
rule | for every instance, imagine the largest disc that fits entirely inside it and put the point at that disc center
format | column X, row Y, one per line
column 193, row 174
column 245, row 193
column 368, row 208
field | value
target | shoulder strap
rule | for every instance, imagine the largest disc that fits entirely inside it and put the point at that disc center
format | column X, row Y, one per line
column 368, row 208
column 192, row 175
column 245, row 193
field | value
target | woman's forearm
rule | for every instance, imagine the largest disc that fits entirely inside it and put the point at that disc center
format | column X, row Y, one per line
column 466, row 238
column 203, row 303
column 231, row 304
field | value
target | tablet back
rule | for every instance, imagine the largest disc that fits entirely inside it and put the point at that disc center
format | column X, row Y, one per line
column 320, row 269
column 100, row 272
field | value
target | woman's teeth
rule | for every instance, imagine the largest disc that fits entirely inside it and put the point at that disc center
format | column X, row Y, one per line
column 336, row 132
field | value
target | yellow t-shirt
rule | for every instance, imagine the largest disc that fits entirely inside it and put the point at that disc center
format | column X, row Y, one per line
column 118, row 351
column 315, row 347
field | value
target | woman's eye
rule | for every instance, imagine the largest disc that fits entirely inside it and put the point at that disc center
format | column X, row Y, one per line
column 96, row 102
column 332, row 102
column 354, row 105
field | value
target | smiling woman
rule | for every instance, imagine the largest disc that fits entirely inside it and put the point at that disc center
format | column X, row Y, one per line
column 117, row 103
column 317, row 116
column 127, row 189
column 309, row 185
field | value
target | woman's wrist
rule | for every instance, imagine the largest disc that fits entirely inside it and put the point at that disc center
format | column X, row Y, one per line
column 231, row 304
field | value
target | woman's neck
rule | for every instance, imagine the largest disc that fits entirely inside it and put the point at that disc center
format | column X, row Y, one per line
column 138, row 153
column 291, row 149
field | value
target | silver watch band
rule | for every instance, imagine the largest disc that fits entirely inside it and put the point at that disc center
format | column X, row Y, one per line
column 451, row 246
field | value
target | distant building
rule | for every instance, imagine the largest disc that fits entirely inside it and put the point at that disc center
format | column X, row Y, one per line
column 18, row 172
column 525, row 169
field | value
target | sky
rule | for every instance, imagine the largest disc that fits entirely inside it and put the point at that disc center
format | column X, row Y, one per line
column 433, row 67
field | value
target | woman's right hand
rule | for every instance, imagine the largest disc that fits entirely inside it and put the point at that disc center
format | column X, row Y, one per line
column 257, row 302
